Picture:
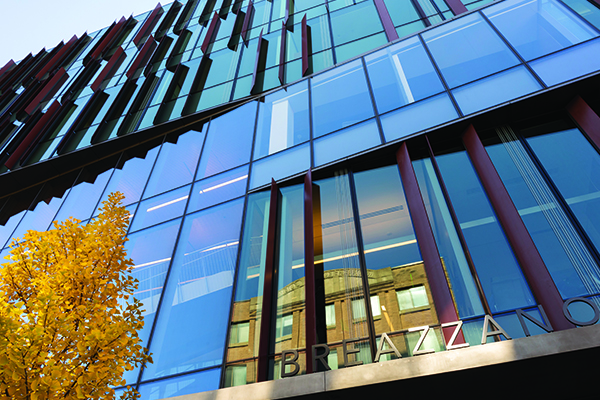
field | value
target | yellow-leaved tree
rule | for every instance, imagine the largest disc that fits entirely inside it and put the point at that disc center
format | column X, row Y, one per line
column 68, row 322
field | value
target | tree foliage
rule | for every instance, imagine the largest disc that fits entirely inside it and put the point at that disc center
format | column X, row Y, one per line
column 68, row 321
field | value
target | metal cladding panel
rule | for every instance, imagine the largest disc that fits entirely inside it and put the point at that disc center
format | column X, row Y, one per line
column 586, row 118
column 142, row 58
column 33, row 137
column 145, row 31
column 49, row 90
column 109, row 69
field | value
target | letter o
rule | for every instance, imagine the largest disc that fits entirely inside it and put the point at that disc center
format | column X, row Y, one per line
column 572, row 320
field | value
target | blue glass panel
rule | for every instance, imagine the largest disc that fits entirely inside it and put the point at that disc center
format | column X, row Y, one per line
column 355, row 22
column 280, row 165
column 228, row 141
column 7, row 229
column 569, row 64
column 190, row 331
column 282, row 120
column 503, row 283
column 495, row 89
column 340, row 98
column 539, row 27
column 250, row 276
column 574, row 167
column 418, row 116
column 181, row 385
column 151, row 252
column 160, row 208
column 218, row 188
column 83, row 198
column 464, row 290
column 586, row 9
column 39, row 219
column 401, row 74
column 131, row 178
column 350, row 50
column 223, row 67
column 572, row 267
column 176, row 163
column 401, row 12
column 467, row 49
column 346, row 142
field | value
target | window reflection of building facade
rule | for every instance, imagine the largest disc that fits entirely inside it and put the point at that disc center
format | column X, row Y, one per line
column 432, row 161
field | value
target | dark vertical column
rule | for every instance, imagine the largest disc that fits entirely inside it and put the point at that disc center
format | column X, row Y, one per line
column 429, row 251
column 260, row 63
column 531, row 262
column 282, row 48
column 456, row 6
column 247, row 23
column 211, row 33
column 267, row 301
column 306, row 48
column 586, row 118
column 309, row 271
column 386, row 20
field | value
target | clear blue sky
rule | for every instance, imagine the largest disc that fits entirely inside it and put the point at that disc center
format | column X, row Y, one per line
column 31, row 25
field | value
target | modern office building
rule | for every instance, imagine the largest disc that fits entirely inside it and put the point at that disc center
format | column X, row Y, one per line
column 393, row 196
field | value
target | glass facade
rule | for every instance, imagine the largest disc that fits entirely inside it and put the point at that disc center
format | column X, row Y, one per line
column 268, row 219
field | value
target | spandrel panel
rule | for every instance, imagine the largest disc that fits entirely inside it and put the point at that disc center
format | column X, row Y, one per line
column 539, row 27
column 574, row 167
column 568, row 64
column 228, row 141
column 495, row 89
column 192, row 323
column 401, row 74
column 454, row 261
column 398, row 284
column 340, row 98
column 418, row 116
column 282, row 120
column 176, row 163
column 467, row 49
column 280, row 165
column 502, row 280
column 151, row 252
column 346, row 142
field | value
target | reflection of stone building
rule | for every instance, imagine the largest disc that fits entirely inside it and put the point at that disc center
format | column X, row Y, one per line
column 400, row 299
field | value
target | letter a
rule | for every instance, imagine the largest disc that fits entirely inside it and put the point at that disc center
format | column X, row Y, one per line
column 498, row 330
column 392, row 349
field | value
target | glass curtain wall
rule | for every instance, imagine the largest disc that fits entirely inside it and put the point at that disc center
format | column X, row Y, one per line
column 551, row 172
